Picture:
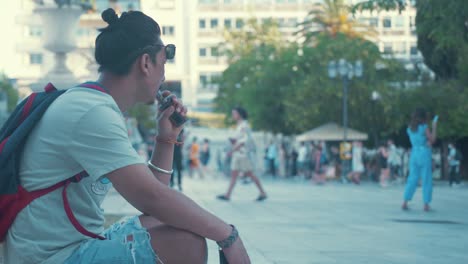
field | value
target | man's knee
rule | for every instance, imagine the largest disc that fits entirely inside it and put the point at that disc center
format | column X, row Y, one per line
column 168, row 242
column 195, row 245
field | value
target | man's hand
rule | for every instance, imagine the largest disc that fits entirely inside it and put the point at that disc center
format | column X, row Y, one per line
column 236, row 253
column 166, row 129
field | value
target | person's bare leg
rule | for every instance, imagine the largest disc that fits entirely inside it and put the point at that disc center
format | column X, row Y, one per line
column 168, row 241
column 323, row 178
column 383, row 182
column 234, row 175
column 190, row 171
column 201, row 173
column 257, row 182
column 357, row 178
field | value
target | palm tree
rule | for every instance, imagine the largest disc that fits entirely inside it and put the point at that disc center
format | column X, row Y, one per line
column 331, row 17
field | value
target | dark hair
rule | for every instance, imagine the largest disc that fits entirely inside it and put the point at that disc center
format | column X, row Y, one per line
column 242, row 112
column 418, row 117
column 125, row 39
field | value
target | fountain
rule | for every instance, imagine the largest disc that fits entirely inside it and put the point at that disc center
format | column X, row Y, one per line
column 60, row 22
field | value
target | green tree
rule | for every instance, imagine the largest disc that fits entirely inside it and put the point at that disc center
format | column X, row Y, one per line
column 442, row 30
column 332, row 17
column 10, row 91
column 144, row 114
column 287, row 90
column 244, row 83
column 238, row 43
column 315, row 99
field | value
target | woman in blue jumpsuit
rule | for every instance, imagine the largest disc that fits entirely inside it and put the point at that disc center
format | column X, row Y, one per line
column 420, row 164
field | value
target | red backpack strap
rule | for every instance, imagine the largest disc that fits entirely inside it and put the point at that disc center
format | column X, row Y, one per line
column 66, row 205
column 27, row 107
column 95, row 86
column 50, row 88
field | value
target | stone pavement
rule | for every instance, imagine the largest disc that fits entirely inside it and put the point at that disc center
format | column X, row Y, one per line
column 334, row 223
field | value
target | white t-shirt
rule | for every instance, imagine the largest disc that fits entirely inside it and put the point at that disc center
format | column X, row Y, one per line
column 302, row 155
column 82, row 130
column 357, row 165
column 242, row 137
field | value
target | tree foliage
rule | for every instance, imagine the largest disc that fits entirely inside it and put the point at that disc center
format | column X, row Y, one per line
column 332, row 17
column 10, row 91
column 442, row 30
column 286, row 88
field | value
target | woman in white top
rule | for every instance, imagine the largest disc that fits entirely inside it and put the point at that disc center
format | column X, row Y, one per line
column 240, row 155
column 357, row 165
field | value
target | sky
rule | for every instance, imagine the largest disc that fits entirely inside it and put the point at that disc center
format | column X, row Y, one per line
column 8, row 11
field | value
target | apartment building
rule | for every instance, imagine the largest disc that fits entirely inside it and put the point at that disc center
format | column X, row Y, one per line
column 195, row 27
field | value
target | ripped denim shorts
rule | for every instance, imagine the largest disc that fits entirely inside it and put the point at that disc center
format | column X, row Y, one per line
column 126, row 242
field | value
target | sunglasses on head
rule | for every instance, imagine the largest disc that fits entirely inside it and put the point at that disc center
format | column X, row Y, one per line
column 169, row 49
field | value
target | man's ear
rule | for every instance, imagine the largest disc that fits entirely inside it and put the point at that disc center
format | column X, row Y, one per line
column 144, row 63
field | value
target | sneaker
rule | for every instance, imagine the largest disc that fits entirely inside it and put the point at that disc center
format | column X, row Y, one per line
column 222, row 197
column 427, row 208
column 404, row 207
column 261, row 198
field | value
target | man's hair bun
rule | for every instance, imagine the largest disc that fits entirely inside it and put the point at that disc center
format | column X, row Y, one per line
column 109, row 16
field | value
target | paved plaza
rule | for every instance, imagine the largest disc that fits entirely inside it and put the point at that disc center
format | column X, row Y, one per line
column 334, row 223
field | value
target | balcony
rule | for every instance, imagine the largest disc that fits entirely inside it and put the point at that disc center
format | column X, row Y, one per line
column 208, row 7
column 210, row 33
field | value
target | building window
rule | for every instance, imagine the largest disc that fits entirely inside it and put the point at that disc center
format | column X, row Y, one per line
column 387, row 22
column 399, row 21
column 202, row 52
column 292, row 22
column 35, row 58
column 412, row 22
column 227, row 23
column 373, row 22
column 280, row 22
column 214, row 23
column 239, row 23
column 266, row 20
column 214, row 52
column 207, row 1
column 35, row 31
column 203, row 79
column 414, row 50
column 400, row 48
column 387, row 47
column 83, row 32
column 201, row 24
column 168, row 30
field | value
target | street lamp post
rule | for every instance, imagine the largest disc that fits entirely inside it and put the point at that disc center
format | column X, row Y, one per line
column 346, row 70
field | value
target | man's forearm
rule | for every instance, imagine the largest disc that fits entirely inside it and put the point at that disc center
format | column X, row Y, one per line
column 181, row 212
column 168, row 206
column 162, row 157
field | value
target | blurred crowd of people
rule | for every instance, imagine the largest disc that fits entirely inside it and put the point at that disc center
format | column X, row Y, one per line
column 316, row 161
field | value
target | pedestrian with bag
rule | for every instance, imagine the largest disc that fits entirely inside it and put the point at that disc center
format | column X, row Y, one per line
column 241, row 162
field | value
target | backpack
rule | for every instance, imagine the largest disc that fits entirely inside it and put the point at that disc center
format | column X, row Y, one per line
column 13, row 136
